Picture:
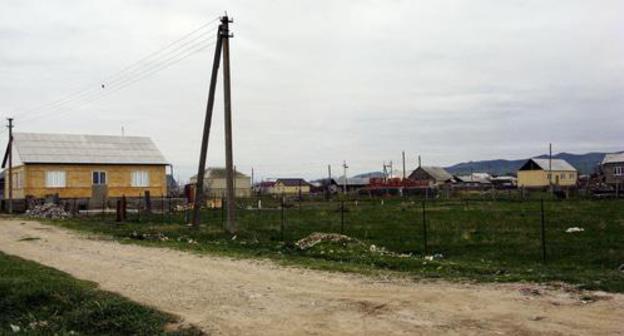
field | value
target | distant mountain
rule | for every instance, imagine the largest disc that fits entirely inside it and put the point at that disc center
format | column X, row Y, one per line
column 584, row 163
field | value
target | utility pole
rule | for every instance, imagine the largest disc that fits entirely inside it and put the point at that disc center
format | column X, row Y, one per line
column 403, row 158
column 199, row 185
column 344, row 182
column 10, row 177
column 252, row 179
column 229, row 156
column 550, row 167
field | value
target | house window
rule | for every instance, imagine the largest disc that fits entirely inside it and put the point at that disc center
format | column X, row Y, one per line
column 140, row 178
column 571, row 175
column 618, row 171
column 99, row 177
column 55, row 179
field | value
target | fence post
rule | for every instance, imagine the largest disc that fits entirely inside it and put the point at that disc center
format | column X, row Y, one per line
column 543, row 222
column 283, row 209
column 124, row 207
column 118, row 212
column 222, row 211
column 424, row 223
column 342, row 211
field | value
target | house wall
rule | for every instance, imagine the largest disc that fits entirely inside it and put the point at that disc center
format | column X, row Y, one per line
column 539, row 178
column 78, row 180
column 18, row 182
column 422, row 177
column 609, row 173
column 216, row 187
column 280, row 188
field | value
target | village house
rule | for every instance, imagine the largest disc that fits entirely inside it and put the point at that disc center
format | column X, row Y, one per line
column 215, row 183
column 428, row 176
column 264, row 187
column 84, row 166
column 473, row 181
column 537, row 173
column 612, row 167
column 291, row 186
column 352, row 184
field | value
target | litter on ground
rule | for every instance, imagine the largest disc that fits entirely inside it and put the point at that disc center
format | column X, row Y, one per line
column 574, row 229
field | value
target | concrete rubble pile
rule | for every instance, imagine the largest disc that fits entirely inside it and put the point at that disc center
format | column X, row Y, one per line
column 48, row 210
column 318, row 237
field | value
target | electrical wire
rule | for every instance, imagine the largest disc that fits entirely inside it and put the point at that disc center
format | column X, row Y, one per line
column 152, row 58
column 199, row 47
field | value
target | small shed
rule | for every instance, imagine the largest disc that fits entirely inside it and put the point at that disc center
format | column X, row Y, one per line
column 431, row 176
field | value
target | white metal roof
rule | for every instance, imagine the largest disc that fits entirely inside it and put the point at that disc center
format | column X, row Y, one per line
column 85, row 149
column 613, row 158
column 555, row 164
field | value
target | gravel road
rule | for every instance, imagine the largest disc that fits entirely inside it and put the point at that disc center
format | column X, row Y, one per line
column 226, row 296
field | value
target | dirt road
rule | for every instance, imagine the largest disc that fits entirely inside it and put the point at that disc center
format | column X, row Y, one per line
column 242, row 297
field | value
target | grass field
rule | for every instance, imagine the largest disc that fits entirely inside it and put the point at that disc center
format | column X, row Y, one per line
column 479, row 240
column 37, row 300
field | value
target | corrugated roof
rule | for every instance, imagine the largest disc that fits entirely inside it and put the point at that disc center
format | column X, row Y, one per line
column 613, row 158
column 438, row 173
column 352, row 181
column 555, row 164
column 85, row 149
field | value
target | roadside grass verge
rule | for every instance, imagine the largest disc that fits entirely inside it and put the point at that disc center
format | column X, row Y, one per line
column 38, row 300
column 478, row 240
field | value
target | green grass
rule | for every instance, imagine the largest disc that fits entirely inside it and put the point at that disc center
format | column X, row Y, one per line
column 480, row 240
column 39, row 300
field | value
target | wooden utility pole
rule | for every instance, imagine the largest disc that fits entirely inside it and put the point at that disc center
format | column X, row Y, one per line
column 550, row 184
column 10, row 177
column 199, row 186
column 230, row 226
column 344, row 183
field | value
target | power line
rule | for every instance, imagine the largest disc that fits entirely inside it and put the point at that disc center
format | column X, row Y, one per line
column 152, row 71
column 151, row 58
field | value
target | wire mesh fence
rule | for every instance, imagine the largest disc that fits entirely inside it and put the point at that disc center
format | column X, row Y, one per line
column 573, row 232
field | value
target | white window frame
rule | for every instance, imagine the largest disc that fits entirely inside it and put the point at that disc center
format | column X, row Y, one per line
column 55, row 179
column 99, row 182
column 618, row 170
column 140, row 178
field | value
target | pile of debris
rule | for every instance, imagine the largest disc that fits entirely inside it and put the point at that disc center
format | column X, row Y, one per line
column 149, row 236
column 48, row 210
column 319, row 237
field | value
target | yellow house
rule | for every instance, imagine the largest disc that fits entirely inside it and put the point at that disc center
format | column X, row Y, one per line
column 544, row 172
column 290, row 186
column 84, row 166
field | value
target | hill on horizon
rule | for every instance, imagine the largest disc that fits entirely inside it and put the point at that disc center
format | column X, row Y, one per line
column 584, row 163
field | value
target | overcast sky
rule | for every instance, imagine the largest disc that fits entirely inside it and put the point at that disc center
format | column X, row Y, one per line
column 318, row 82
